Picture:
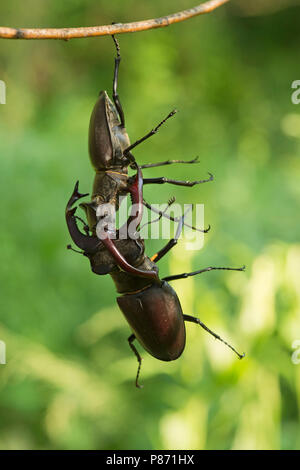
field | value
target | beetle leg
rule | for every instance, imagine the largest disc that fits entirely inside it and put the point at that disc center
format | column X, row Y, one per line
column 152, row 132
column 130, row 341
column 174, row 219
column 163, row 180
column 169, row 162
column 171, row 243
column 200, row 271
column 169, row 203
column 159, row 255
column 199, row 322
column 115, row 83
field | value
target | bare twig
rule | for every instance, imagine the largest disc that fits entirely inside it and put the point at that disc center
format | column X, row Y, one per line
column 118, row 28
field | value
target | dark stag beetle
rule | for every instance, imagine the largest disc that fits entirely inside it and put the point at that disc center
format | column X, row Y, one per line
column 149, row 304
column 110, row 153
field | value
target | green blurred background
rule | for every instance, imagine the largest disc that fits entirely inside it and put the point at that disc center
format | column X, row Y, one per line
column 69, row 378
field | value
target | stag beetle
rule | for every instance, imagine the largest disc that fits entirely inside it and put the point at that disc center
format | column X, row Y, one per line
column 110, row 153
column 149, row 304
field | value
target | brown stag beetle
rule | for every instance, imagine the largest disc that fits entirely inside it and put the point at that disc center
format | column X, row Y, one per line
column 149, row 303
column 110, row 153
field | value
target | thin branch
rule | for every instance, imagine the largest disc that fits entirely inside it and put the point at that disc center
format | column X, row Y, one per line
column 118, row 28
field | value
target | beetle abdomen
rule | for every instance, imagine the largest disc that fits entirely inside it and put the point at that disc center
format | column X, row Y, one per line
column 107, row 138
column 155, row 317
column 100, row 140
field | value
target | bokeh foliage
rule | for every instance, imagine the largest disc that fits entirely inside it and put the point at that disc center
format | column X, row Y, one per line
column 68, row 382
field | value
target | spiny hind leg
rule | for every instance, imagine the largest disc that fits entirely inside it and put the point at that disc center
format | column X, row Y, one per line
column 200, row 271
column 215, row 335
column 163, row 180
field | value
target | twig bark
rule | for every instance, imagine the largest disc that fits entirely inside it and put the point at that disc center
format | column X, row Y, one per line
column 118, row 28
